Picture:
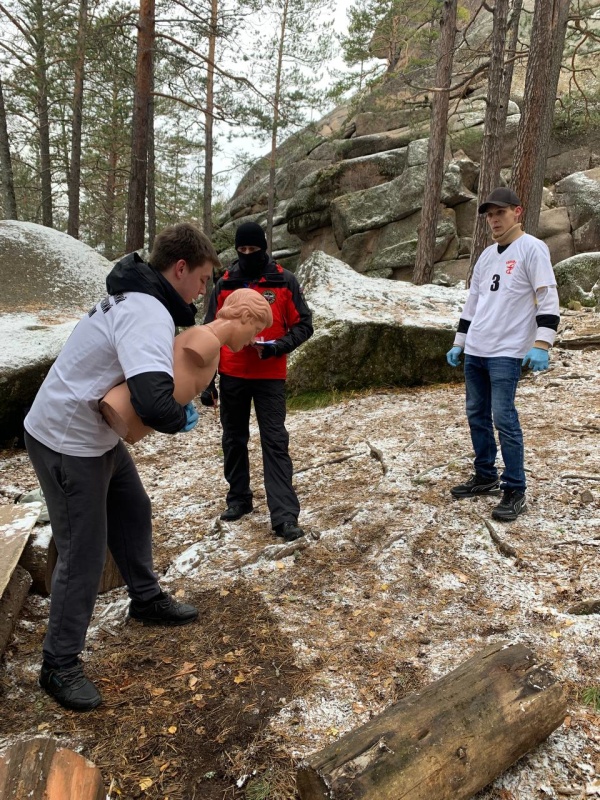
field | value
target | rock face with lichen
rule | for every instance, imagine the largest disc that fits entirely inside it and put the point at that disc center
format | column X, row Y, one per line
column 372, row 332
column 578, row 280
column 48, row 281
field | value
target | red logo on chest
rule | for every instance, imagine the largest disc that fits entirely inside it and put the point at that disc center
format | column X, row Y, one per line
column 510, row 265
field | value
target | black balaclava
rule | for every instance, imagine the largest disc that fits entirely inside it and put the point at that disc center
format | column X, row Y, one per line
column 250, row 234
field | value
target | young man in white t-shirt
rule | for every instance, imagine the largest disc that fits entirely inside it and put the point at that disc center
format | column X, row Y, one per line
column 92, row 489
column 510, row 320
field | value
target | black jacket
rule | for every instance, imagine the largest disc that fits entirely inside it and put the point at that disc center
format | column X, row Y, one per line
column 152, row 392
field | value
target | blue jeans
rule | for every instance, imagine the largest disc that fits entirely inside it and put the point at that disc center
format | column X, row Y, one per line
column 491, row 387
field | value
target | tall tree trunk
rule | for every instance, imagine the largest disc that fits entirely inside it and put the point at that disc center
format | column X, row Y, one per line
column 424, row 260
column 541, row 81
column 493, row 127
column 39, row 37
column 208, row 121
column 75, row 169
column 6, row 171
column 276, row 99
column 111, row 186
column 151, row 202
column 136, row 202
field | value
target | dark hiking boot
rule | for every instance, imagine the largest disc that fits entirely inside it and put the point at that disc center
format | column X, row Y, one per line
column 69, row 687
column 511, row 505
column 476, row 486
column 162, row 610
column 235, row 511
column 288, row 531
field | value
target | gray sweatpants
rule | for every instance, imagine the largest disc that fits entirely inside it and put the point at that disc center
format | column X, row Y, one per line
column 93, row 503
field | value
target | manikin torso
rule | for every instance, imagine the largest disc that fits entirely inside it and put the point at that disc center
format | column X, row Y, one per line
column 195, row 361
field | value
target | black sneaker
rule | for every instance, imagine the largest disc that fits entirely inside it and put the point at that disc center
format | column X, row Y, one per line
column 475, row 486
column 162, row 610
column 511, row 505
column 69, row 687
column 235, row 511
column 288, row 531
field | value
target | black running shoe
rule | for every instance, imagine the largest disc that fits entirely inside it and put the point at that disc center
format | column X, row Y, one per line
column 511, row 505
column 289, row 531
column 235, row 511
column 69, row 687
column 162, row 610
column 475, row 486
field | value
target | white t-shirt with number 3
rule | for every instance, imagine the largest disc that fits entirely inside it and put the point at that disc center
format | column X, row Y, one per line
column 502, row 299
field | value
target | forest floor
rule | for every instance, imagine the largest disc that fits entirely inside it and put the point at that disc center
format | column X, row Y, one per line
column 394, row 585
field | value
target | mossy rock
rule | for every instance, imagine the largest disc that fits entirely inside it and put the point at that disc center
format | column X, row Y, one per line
column 368, row 355
column 578, row 279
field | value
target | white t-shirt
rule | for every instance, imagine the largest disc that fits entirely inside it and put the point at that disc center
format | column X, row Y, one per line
column 122, row 336
column 502, row 300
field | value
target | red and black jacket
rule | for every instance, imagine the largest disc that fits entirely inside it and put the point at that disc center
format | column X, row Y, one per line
column 292, row 320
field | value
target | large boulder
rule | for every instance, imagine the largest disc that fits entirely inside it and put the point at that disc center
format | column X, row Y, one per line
column 392, row 201
column 372, row 332
column 552, row 222
column 560, row 246
column 309, row 209
column 49, row 280
column 578, row 279
column 394, row 246
column 565, row 163
column 580, row 192
column 470, row 140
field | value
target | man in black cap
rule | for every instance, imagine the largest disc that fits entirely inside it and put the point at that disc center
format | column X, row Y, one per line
column 510, row 320
column 257, row 373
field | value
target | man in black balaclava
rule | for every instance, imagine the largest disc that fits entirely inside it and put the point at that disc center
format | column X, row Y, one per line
column 251, row 246
column 257, row 374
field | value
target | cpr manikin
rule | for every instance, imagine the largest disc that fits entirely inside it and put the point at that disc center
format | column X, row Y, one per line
column 245, row 313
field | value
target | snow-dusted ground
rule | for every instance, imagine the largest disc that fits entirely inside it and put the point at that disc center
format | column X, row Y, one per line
column 396, row 584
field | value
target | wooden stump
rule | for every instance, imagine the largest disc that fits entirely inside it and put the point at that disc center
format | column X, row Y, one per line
column 37, row 770
column 111, row 577
column 449, row 741
column 12, row 601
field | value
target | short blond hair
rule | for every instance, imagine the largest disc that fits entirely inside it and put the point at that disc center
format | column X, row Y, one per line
column 247, row 304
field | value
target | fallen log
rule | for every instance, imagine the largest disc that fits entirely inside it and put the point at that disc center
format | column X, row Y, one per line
column 447, row 742
column 11, row 602
column 36, row 769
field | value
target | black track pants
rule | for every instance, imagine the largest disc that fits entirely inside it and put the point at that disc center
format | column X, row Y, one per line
column 93, row 503
column 236, row 396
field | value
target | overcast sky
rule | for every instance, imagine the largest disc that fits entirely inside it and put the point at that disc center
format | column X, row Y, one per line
column 229, row 151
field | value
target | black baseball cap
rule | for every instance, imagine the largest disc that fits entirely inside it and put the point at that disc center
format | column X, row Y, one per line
column 502, row 197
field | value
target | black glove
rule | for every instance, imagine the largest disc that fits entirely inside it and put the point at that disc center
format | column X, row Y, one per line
column 270, row 350
column 210, row 395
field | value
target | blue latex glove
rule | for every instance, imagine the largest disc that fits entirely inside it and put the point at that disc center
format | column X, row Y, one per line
column 537, row 359
column 191, row 418
column 453, row 356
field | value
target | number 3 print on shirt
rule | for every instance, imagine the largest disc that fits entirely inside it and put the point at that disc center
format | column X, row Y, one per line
column 495, row 283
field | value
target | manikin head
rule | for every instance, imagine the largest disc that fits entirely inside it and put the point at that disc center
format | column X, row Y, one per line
column 185, row 257
column 502, row 209
column 249, row 313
